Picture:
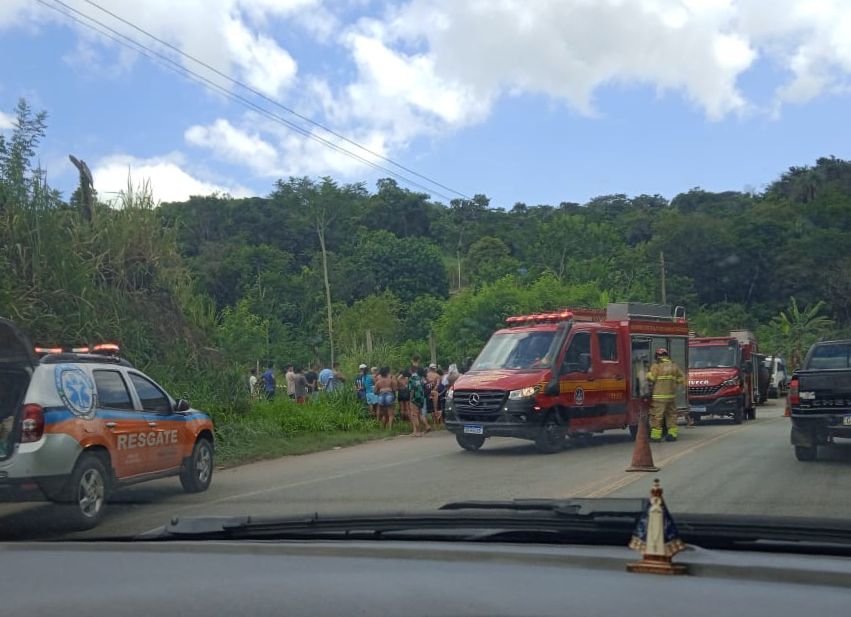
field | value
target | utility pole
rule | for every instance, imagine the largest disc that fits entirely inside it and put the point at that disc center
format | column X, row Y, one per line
column 662, row 270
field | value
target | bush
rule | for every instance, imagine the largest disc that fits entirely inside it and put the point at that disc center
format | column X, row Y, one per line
column 238, row 434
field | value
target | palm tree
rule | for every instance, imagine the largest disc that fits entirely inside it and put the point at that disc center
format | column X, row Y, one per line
column 798, row 328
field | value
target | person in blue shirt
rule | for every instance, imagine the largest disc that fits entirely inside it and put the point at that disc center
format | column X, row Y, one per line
column 325, row 376
column 269, row 383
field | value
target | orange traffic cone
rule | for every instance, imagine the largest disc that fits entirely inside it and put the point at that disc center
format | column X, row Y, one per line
column 642, row 457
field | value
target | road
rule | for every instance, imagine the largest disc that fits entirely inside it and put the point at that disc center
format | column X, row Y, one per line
column 714, row 467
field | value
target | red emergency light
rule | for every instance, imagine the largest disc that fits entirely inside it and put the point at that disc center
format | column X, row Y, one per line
column 106, row 348
column 46, row 350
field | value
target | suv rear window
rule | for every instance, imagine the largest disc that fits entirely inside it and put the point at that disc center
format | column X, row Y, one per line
column 112, row 390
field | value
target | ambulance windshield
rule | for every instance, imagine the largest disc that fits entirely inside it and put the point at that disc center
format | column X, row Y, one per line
column 517, row 350
column 712, row 356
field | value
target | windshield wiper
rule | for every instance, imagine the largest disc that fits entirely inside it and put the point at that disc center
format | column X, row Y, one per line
column 573, row 519
column 607, row 521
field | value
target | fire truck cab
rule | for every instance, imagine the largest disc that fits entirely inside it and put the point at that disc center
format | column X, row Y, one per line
column 722, row 376
column 570, row 373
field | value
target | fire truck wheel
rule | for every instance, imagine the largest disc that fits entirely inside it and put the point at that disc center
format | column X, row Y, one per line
column 551, row 438
column 470, row 442
column 806, row 453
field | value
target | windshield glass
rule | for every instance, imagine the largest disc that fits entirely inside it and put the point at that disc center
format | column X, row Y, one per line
column 516, row 350
column 716, row 356
column 308, row 224
column 830, row 357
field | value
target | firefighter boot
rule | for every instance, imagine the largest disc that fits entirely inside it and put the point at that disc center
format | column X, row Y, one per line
column 655, row 435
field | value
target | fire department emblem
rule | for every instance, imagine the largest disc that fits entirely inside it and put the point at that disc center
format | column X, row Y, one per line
column 579, row 396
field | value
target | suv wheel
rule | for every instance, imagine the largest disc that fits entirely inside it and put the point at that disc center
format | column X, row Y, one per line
column 806, row 453
column 551, row 437
column 197, row 472
column 470, row 442
column 87, row 492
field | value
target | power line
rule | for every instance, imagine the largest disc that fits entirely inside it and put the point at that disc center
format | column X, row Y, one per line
column 189, row 73
column 153, row 55
column 269, row 99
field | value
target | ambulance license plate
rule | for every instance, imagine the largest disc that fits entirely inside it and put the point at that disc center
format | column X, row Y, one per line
column 696, row 409
column 474, row 429
column 846, row 420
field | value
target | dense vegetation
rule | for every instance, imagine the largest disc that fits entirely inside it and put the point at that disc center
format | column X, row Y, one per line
column 199, row 291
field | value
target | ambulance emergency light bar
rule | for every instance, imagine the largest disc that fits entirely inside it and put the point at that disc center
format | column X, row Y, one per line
column 578, row 314
column 518, row 320
column 108, row 349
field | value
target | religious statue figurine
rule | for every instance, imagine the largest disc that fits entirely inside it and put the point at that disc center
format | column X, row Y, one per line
column 656, row 537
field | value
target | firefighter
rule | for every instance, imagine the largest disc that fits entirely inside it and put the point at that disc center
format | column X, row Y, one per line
column 664, row 377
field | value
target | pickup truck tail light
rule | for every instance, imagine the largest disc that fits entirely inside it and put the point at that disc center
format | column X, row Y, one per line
column 32, row 423
column 794, row 398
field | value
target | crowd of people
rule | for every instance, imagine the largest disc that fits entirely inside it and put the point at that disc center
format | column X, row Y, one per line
column 415, row 394
column 300, row 384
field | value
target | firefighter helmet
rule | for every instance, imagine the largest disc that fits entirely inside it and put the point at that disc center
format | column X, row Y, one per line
column 661, row 352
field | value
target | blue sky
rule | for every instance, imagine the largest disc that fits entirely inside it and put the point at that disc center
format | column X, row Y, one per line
column 539, row 101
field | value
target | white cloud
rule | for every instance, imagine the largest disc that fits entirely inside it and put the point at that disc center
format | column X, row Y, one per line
column 229, row 35
column 169, row 181
column 7, row 121
column 264, row 65
column 421, row 68
column 236, row 146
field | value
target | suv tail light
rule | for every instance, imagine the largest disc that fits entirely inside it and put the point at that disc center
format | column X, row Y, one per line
column 794, row 399
column 32, row 423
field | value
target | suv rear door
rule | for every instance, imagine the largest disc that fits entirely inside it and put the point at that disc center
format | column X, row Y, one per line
column 17, row 361
column 167, row 451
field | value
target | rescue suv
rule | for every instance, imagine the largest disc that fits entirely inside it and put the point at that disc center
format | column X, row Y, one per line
column 571, row 373
column 76, row 423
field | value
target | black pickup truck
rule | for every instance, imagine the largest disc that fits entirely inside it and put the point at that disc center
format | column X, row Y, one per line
column 820, row 398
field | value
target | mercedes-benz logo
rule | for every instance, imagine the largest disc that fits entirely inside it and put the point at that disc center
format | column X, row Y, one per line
column 474, row 399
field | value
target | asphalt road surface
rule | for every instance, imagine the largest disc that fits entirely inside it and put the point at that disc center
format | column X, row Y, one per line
column 714, row 467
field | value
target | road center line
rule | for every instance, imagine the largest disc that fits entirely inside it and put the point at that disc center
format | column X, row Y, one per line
column 624, row 479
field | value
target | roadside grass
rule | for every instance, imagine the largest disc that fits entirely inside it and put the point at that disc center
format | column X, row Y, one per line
column 271, row 429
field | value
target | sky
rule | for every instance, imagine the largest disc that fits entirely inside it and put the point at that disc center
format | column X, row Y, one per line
column 534, row 101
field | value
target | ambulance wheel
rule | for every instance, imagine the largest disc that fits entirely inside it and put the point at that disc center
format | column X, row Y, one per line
column 470, row 443
column 551, row 437
column 197, row 472
column 87, row 492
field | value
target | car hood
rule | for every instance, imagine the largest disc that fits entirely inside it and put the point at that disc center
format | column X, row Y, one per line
column 15, row 347
column 502, row 379
column 710, row 376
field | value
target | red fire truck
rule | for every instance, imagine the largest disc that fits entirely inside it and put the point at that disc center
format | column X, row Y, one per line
column 572, row 373
column 722, row 376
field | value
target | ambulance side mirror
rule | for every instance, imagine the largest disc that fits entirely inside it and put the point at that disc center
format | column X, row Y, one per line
column 182, row 405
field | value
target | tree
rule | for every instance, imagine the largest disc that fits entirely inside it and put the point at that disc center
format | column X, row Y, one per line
column 798, row 328
column 377, row 314
column 489, row 259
